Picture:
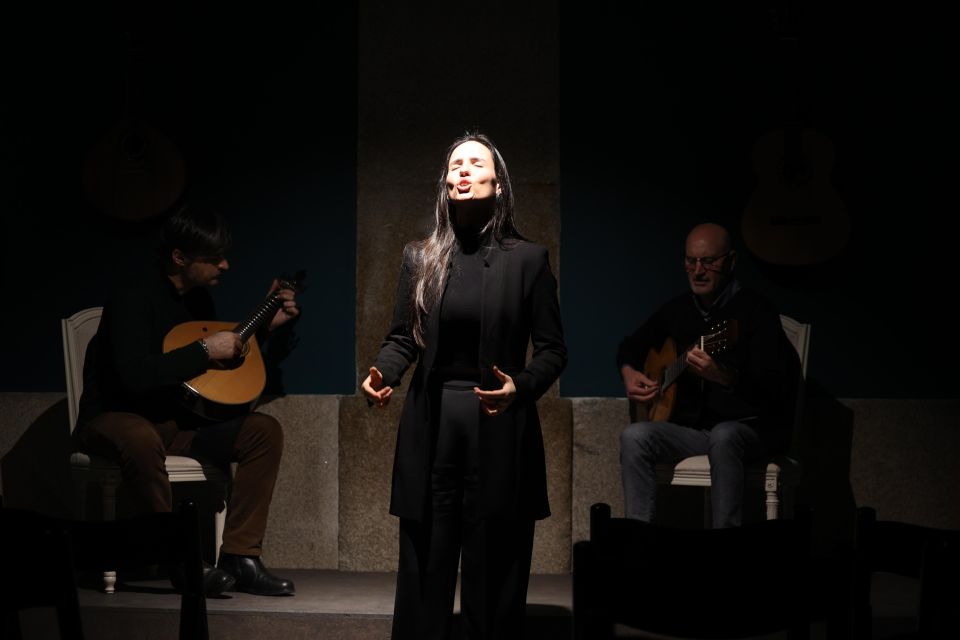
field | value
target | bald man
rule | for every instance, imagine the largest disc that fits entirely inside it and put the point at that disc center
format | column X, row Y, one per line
column 733, row 405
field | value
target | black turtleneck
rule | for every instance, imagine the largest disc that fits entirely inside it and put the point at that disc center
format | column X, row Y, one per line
column 458, row 349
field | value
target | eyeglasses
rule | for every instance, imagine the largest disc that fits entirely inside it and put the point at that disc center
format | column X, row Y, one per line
column 710, row 263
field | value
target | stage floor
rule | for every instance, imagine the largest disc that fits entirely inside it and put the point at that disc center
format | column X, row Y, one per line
column 352, row 606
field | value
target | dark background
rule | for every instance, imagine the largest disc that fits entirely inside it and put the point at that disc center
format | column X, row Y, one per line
column 661, row 105
column 659, row 110
column 261, row 105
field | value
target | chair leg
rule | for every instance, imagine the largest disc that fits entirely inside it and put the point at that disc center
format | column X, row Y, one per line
column 109, row 493
column 771, row 484
column 773, row 505
column 220, row 519
column 80, row 495
column 707, row 508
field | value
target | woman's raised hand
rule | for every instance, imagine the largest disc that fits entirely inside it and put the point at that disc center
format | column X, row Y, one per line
column 374, row 390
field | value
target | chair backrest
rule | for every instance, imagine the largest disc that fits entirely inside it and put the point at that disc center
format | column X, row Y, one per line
column 799, row 335
column 77, row 331
column 926, row 553
column 737, row 582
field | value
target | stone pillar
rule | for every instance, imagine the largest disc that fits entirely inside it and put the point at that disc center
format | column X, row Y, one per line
column 427, row 75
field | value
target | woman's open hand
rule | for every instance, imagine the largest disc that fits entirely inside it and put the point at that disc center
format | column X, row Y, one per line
column 495, row 402
column 374, row 389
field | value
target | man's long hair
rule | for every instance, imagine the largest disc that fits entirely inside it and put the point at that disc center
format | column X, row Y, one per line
column 434, row 252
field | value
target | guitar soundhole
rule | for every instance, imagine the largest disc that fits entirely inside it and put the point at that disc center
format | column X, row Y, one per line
column 228, row 365
column 134, row 146
column 796, row 174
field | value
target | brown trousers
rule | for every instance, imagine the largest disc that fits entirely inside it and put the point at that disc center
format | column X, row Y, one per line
column 254, row 441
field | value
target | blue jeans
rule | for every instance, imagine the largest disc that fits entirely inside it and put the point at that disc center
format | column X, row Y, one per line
column 728, row 445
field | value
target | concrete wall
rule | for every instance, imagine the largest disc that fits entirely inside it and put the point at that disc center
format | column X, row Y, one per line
column 330, row 504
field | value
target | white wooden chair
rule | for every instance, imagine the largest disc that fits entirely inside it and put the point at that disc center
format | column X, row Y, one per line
column 778, row 475
column 78, row 330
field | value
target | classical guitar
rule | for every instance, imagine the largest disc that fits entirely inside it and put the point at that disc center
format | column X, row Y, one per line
column 229, row 388
column 665, row 366
column 794, row 216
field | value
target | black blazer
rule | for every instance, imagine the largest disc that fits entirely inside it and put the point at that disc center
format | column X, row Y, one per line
column 519, row 304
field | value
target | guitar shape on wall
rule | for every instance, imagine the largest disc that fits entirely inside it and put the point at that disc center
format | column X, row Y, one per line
column 134, row 171
column 794, row 216
column 665, row 366
column 228, row 389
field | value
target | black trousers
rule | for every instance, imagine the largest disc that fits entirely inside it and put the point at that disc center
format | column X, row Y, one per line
column 494, row 555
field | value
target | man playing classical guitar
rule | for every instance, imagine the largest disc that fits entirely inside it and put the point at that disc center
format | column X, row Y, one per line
column 130, row 409
column 733, row 401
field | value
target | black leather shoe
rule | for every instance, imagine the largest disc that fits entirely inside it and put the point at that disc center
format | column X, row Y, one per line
column 215, row 581
column 253, row 577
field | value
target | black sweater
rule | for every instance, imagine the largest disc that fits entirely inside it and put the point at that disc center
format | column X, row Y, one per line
column 125, row 367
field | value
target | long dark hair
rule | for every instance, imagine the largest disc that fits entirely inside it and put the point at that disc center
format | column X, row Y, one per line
column 434, row 251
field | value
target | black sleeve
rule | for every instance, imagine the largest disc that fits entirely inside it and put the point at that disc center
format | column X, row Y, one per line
column 764, row 376
column 136, row 350
column 399, row 349
column 634, row 348
column 546, row 334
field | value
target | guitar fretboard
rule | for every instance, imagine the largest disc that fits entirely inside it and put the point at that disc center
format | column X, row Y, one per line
column 724, row 333
column 673, row 371
column 265, row 311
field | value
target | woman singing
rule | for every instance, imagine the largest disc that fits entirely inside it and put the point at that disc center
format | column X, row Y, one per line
column 469, row 474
